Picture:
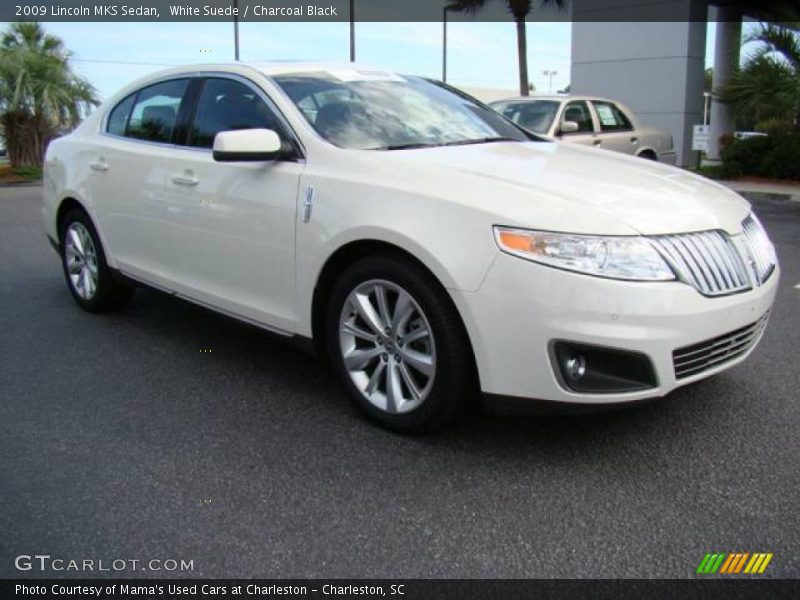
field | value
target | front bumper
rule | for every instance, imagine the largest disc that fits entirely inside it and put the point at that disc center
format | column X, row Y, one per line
column 521, row 307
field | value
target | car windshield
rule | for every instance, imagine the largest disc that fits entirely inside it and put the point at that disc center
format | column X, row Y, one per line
column 534, row 115
column 371, row 110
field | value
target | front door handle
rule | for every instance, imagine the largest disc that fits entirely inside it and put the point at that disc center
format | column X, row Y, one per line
column 99, row 165
column 634, row 140
column 597, row 142
column 185, row 178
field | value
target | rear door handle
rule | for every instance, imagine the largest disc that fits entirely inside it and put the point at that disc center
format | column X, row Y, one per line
column 634, row 140
column 186, row 178
column 99, row 165
column 597, row 142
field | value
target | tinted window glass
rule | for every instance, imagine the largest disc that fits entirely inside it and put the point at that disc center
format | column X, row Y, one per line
column 156, row 110
column 226, row 105
column 611, row 117
column 578, row 111
column 375, row 110
column 118, row 118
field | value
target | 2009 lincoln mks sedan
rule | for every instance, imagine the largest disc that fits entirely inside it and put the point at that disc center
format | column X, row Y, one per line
column 429, row 246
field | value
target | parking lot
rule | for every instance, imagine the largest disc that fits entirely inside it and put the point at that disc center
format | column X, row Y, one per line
column 167, row 432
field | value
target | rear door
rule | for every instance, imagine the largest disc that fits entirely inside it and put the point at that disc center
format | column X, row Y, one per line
column 232, row 224
column 127, row 171
column 616, row 130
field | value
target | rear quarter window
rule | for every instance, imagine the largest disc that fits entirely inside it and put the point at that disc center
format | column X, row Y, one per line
column 118, row 117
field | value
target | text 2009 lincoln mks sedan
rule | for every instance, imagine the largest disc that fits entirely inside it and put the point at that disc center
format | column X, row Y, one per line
column 426, row 244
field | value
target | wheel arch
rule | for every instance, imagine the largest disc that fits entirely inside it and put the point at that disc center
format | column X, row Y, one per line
column 648, row 153
column 67, row 204
column 346, row 255
column 70, row 202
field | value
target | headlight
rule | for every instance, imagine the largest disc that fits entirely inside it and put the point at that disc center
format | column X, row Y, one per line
column 616, row 257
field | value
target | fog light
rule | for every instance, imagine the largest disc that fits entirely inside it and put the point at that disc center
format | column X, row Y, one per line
column 590, row 369
column 575, row 367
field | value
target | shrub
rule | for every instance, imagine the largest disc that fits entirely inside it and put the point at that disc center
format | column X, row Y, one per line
column 775, row 157
column 774, row 126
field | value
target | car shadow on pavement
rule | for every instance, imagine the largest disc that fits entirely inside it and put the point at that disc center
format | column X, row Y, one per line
column 309, row 392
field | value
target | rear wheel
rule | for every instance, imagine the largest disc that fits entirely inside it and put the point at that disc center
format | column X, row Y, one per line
column 649, row 155
column 89, row 279
column 399, row 347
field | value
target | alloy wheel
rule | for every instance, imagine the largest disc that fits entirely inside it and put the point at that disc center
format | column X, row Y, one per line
column 387, row 346
column 80, row 258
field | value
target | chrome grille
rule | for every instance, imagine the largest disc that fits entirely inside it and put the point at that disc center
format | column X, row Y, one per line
column 694, row 359
column 762, row 253
column 708, row 260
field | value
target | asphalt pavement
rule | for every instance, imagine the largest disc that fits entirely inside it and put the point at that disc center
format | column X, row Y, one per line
column 167, row 432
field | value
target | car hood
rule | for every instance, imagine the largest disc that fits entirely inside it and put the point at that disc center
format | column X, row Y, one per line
column 567, row 187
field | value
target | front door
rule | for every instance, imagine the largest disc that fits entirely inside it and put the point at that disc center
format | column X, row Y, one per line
column 233, row 224
column 578, row 112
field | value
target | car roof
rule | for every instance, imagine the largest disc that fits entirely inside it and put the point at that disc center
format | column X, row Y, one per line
column 555, row 97
column 269, row 68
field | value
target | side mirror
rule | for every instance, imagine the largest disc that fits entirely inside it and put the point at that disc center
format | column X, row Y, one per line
column 246, row 145
column 568, row 127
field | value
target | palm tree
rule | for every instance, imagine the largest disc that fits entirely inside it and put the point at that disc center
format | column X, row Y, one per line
column 762, row 90
column 767, row 86
column 39, row 93
column 779, row 39
column 520, row 9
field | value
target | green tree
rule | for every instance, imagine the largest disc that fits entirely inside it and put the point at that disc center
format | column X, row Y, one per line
column 520, row 9
column 39, row 93
column 767, row 86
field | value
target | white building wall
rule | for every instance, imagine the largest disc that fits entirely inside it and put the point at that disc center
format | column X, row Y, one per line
column 655, row 68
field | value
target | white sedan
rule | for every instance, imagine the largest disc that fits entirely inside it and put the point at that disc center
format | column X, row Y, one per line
column 589, row 121
column 427, row 246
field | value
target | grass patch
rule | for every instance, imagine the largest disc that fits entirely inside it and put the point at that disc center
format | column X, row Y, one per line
column 20, row 174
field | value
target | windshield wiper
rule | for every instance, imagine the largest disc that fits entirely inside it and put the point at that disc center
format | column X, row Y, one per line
column 410, row 146
column 484, row 140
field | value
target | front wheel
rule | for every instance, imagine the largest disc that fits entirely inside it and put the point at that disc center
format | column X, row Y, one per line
column 398, row 344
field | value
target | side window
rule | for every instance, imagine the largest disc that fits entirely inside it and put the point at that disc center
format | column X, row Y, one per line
column 226, row 105
column 611, row 117
column 578, row 111
column 509, row 111
column 156, row 110
column 118, row 118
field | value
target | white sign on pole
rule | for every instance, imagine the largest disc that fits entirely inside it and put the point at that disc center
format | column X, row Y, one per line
column 700, row 136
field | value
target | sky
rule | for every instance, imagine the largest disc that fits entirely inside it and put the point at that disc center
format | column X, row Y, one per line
column 111, row 55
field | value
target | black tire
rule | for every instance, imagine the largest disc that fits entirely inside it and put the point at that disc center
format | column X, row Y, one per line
column 454, row 380
column 110, row 292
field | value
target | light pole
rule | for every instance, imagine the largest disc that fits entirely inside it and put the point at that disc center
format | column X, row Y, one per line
column 352, row 31
column 236, row 30
column 444, row 42
column 550, row 75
